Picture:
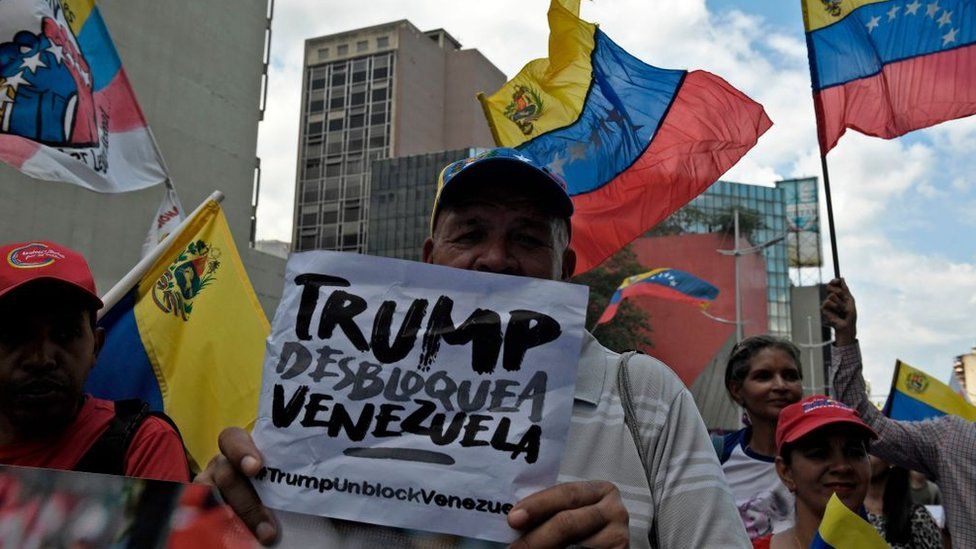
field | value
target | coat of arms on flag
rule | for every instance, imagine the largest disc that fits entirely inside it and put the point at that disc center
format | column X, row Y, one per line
column 67, row 111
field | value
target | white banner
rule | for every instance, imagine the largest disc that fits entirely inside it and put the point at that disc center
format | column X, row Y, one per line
column 168, row 217
column 67, row 111
column 413, row 395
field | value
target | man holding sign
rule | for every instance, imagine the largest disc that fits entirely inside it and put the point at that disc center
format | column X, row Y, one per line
column 662, row 487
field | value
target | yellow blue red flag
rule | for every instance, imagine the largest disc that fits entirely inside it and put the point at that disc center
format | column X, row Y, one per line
column 885, row 68
column 916, row 396
column 842, row 528
column 633, row 142
column 189, row 337
column 67, row 111
column 664, row 283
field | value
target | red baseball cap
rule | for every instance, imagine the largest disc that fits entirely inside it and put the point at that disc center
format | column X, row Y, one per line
column 27, row 262
column 799, row 419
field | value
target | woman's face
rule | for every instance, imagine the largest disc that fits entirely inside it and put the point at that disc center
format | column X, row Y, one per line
column 773, row 382
column 832, row 459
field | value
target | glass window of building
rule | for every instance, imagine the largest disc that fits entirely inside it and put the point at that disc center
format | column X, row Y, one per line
column 343, row 49
column 362, row 45
column 382, row 41
column 323, row 53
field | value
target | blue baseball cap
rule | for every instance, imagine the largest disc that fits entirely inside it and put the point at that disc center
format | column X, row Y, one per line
column 502, row 164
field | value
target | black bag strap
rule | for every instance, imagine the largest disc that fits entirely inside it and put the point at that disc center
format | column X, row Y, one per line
column 107, row 454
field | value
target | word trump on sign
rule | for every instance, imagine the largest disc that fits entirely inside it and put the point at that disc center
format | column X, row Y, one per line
column 415, row 395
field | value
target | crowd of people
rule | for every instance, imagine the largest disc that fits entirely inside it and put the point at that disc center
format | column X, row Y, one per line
column 644, row 476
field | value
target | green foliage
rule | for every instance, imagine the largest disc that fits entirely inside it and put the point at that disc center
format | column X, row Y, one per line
column 694, row 220
column 630, row 328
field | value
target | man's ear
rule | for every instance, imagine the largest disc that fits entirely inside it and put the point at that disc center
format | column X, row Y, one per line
column 569, row 263
column 99, row 335
column 785, row 473
column 428, row 250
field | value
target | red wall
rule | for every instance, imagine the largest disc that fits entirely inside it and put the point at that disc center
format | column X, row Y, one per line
column 684, row 338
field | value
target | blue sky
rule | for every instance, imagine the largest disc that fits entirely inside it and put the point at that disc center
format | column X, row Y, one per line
column 905, row 208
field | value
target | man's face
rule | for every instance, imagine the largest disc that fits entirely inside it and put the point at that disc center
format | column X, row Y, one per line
column 503, row 233
column 47, row 348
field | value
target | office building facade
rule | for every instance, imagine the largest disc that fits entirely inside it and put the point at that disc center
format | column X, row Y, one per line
column 374, row 93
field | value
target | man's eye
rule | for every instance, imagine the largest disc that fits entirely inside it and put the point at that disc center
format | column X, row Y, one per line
column 529, row 240
column 857, row 451
column 761, row 375
column 791, row 375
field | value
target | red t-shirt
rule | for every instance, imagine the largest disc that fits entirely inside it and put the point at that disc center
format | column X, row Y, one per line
column 155, row 452
column 763, row 542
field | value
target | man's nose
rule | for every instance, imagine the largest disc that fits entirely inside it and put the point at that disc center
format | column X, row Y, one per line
column 494, row 257
column 40, row 353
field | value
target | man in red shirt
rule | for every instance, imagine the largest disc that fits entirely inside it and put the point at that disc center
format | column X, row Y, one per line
column 48, row 345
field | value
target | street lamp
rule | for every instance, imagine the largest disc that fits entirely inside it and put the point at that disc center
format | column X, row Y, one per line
column 737, row 252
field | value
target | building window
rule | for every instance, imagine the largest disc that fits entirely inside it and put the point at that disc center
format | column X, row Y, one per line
column 317, row 106
column 338, row 79
column 342, row 49
column 383, row 42
column 362, row 45
column 318, row 83
column 323, row 53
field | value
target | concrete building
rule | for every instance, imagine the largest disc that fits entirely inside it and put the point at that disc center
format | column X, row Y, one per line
column 197, row 70
column 378, row 92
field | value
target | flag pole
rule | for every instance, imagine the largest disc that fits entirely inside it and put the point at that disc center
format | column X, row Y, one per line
column 113, row 296
column 830, row 215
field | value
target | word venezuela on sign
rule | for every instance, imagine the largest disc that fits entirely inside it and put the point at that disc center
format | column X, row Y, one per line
column 414, row 395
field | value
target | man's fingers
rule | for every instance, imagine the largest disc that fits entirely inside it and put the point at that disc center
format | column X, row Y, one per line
column 240, row 495
column 597, row 525
column 236, row 444
column 538, row 507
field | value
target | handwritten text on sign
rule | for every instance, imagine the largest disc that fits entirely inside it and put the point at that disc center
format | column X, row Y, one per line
column 415, row 396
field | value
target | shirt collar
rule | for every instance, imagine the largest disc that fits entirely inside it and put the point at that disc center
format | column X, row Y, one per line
column 591, row 373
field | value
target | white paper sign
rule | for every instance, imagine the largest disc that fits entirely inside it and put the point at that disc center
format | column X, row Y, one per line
column 415, row 396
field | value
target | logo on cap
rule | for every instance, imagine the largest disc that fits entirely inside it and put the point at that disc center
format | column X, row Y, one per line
column 33, row 256
column 823, row 403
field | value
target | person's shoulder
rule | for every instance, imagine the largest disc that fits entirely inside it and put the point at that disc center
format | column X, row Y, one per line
column 157, row 452
column 652, row 375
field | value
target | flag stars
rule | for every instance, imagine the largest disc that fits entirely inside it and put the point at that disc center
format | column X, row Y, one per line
column 949, row 37
column 15, row 81
column 57, row 51
column 873, row 23
column 893, row 12
column 932, row 9
column 33, row 63
column 912, row 9
column 945, row 19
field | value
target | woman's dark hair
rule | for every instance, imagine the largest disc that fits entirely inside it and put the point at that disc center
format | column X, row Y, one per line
column 897, row 506
column 737, row 368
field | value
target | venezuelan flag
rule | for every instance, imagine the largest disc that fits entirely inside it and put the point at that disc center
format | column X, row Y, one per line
column 633, row 142
column 885, row 68
column 842, row 528
column 189, row 337
column 916, row 396
column 67, row 110
column 664, row 283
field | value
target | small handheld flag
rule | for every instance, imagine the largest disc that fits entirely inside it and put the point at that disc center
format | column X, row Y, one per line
column 67, row 111
column 842, row 528
column 633, row 142
column 188, row 337
column 664, row 283
column 916, row 396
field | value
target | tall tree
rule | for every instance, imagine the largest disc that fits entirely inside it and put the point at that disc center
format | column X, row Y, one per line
column 630, row 327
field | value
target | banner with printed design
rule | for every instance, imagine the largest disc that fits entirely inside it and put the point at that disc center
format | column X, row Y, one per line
column 67, row 111
column 414, row 395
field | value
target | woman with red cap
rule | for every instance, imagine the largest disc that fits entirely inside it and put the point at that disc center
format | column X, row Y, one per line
column 822, row 449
